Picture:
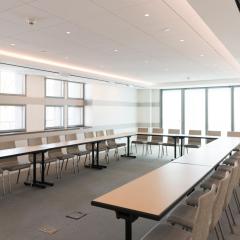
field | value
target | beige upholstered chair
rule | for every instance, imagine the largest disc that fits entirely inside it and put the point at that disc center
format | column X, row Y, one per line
column 3, row 181
column 193, row 142
column 75, row 150
column 113, row 144
column 88, row 135
column 214, row 134
column 12, row 164
column 57, row 153
column 183, row 215
column 38, row 141
column 103, row 145
column 170, row 140
column 201, row 219
column 141, row 139
column 156, row 140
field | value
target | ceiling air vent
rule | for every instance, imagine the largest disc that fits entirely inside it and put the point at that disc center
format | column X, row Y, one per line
column 238, row 4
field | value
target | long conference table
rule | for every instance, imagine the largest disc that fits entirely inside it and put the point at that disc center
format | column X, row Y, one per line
column 153, row 195
column 42, row 149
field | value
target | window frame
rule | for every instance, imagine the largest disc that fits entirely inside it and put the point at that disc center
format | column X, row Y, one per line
column 45, row 88
column 83, row 93
column 25, row 119
column 45, row 117
column 15, row 94
column 73, row 126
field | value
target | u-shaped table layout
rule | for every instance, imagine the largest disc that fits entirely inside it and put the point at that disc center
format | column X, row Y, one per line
column 153, row 195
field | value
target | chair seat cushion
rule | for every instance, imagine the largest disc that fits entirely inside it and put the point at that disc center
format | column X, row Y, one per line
column 193, row 198
column 209, row 182
column 168, row 232
column 79, row 153
column 154, row 143
column 230, row 161
column 65, row 156
column 192, row 145
column 14, row 167
column 139, row 142
column 121, row 144
column 183, row 215
column 170, row 144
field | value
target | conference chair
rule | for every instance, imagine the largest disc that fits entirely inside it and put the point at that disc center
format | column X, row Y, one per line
column 74, row 150
column 170, row 140
column 103, row 146
column 12, row 164
column 156, row 140
column 47, row 160
column 141, row 139
column 213, row 134
column 57, row 153
column 3, row 182
column 88, row 135
column 234, row 134
column 112, row 142
column 193, row 142
column 201, row 219
column 184, row 214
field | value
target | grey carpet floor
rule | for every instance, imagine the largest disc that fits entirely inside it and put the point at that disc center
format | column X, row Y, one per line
column 24, row 211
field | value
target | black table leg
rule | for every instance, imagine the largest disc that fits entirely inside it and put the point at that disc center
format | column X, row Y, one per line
column 43, row 172
column 128, row 155
column 129, row 219
column 182, row 140
column 175, row 147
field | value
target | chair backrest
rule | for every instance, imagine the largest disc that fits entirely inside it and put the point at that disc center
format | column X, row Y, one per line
column 100, row 133
column 233, row 134
column 142, row 137
column 71, row 137
column 54, row 152
column 213, row 133
column 203, row 216
column 34, row 141
column 88, row 135
column 157, row 138
column 232, row 184
column 220, row 197
column 8, row 145
column 173, row 131
column 194, row 141
column 109, row 132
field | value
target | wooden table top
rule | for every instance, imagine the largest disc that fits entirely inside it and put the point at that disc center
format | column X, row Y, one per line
column 211, row 154
column 153, row 194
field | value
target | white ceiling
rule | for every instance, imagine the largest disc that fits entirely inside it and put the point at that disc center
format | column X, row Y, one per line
column 146, row 51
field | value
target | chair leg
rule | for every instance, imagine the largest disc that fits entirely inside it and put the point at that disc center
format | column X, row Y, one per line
column 66, row 164
column 61, row 168
column 56, row 168
column 151, row 148
column 28, row 174
column 86, row 159
column 9, row 182
column 136, row 147
column 215, row 229
column 231, row 214
column 220, row 228
column 236, row 199
column 78, row 162
column 73, row 161
column 3, row 184
column 19, row 171
column 143, row 149
column 159, row 147
column 48, row 168
column 229, row 223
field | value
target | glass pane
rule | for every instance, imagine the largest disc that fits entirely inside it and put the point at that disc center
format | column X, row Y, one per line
column 12, row 118
column 12, row 83
column 219, row 109
column 75, row 90
column 54, row 117
column 237, row 109
column 195, row 110
column 75, row 116
column 54, row 88
column 171, row 109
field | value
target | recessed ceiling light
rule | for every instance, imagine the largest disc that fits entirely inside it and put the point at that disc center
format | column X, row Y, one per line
column 68, row 32
column 182, row 40
column 115, row 50
column 12, row 44
column 201, row 55
column 146, row 15
column 67, row 66
column 166, row 30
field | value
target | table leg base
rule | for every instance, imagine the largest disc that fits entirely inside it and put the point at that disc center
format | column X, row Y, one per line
column 98, row 167
column 39, row 184
column 128, row 156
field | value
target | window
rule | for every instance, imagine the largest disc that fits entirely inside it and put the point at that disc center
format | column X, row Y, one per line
column 75, row 90
column 237, row 109
column 12, row 118
column 54, row 88
column 12, row 83
column 54, row 117
column 219, row 109
column 195, row 110
column 171, row 109
column 75, row 116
